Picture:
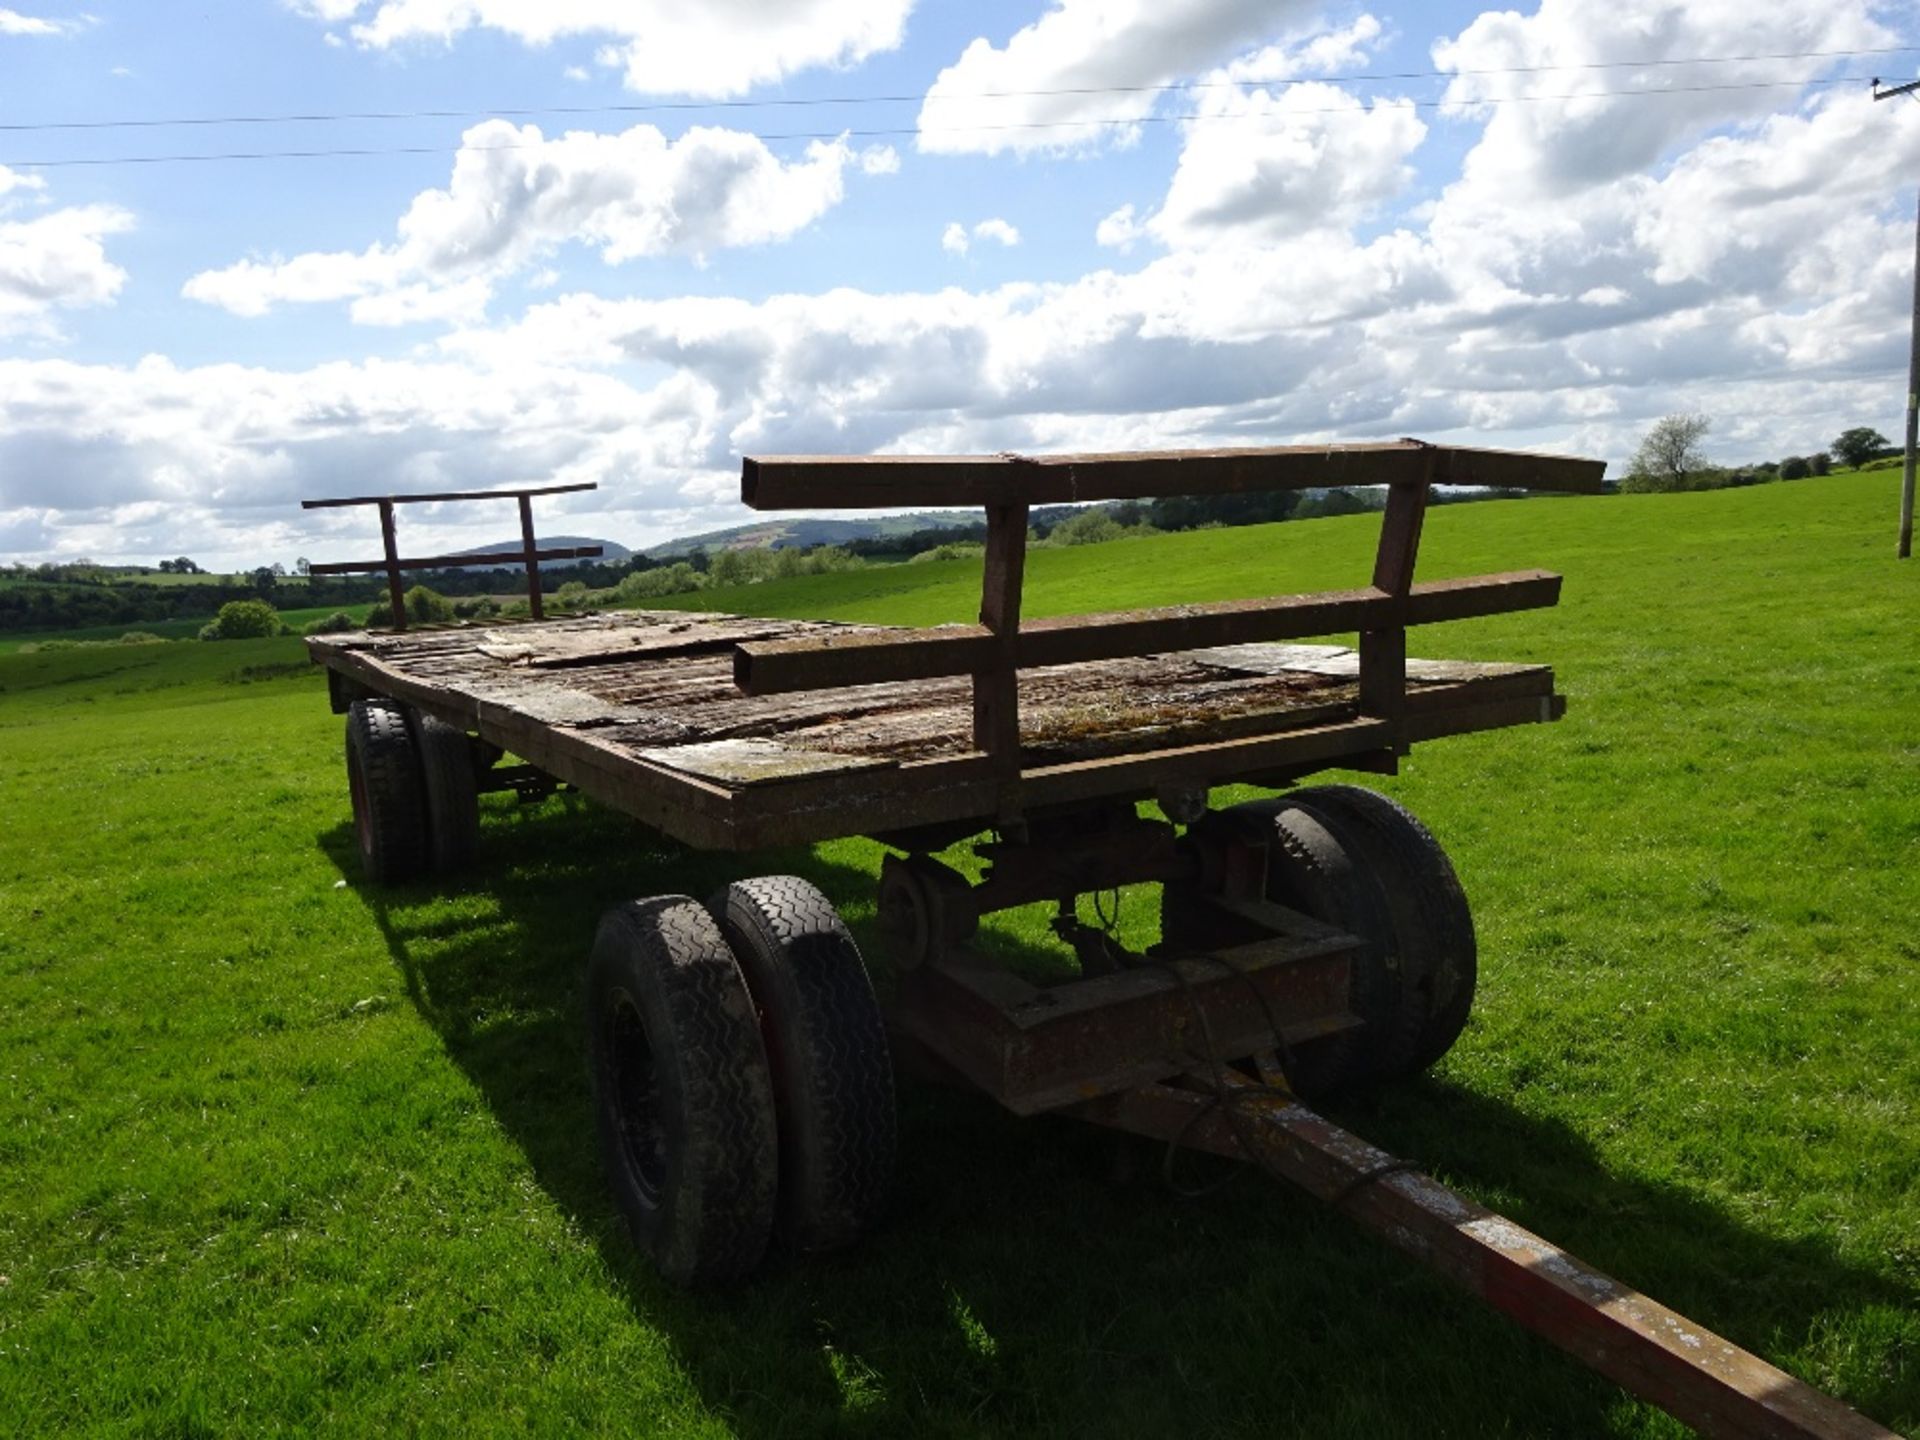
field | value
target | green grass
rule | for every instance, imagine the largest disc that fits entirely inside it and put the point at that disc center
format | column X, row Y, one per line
column 285, row 1155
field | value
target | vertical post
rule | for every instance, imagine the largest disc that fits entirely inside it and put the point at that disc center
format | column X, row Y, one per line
column 1904, row 549
column 996, row 696
column 1383, row 652
column 396, row 593
column 527, row 552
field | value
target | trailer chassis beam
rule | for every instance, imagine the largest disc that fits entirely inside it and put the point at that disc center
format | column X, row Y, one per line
column 1647, row 1349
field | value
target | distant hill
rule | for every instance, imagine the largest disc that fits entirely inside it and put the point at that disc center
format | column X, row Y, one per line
column 783, row 533
column 613, row 552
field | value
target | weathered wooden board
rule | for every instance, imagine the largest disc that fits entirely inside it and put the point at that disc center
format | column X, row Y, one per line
column 743, row 763
column 640, row 708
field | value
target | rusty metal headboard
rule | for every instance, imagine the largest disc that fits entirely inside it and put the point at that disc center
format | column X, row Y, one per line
column 529, row 554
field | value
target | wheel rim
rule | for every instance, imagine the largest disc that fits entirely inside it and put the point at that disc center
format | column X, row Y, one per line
column 633, row 1093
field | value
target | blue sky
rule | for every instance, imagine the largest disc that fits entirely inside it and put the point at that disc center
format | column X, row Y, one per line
column 1617, row 213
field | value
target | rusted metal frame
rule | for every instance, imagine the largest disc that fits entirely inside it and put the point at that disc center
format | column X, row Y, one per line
column 1036, row 1048
column 1054, row 862
column 996, row 696
column 1660, row 1356
column 792, row 482
column 826, row 662
column 396, row 589
column 530, row 555
column 536, row 607
column 434, row 499
column 455, row 562
column 1383, row 647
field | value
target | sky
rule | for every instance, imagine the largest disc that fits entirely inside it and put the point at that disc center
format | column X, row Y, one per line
column 479, row 243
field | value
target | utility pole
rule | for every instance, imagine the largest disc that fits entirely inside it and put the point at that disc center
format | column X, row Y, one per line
column 1904, row 548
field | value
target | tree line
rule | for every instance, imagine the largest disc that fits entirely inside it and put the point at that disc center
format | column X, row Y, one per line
column 1672, row 456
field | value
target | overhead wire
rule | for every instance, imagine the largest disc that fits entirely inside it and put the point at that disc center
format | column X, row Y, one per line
column 901, row 131
column 773, row 102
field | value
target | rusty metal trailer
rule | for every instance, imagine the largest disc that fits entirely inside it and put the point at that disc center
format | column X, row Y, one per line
column 1310, row 942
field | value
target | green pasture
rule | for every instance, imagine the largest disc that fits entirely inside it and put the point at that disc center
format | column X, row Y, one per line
column 284, row 1155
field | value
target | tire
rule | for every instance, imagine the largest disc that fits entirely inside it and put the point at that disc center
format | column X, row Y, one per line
column 452, row 793
column 826, row 1042
column 1432, row 921
column 683, row 1098
column 385, row 781
column 1311, row 867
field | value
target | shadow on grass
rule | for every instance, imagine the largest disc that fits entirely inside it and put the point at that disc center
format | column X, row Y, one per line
column 1018, row 1287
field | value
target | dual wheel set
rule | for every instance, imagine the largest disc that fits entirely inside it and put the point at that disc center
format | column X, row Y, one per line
column 742, row 1074
column 742, row 1077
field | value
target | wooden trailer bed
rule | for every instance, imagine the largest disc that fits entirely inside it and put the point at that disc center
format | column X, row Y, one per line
column 641, row 709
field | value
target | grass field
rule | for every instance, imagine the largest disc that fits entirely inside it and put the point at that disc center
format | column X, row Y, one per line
column 284, row 1155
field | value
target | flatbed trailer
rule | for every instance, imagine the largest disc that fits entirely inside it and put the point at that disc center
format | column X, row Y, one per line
column 1313, row 942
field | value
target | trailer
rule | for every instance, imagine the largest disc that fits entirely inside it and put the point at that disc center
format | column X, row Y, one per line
column 1311, row 942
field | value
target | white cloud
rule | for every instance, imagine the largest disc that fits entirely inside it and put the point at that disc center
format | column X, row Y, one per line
column 56, row 261
column 1259, row 166
column 12, row 22
column 665, row 47
column 880, row 160
column 956, row 239
column 1574, row 47
column 1319, row 54
column 12, row 180
column 997, row 230
column 1076, row 53
column 515, row 197
column 1118, row 230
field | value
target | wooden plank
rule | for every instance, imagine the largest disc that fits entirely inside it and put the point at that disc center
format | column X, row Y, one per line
column 1663, row 1357
column 1252, row 755
column 1497, row 715
column 789, row 482
column 662, row 633
column 814, row 663
column 996, row 695
column 436, row 498
column 743, row 764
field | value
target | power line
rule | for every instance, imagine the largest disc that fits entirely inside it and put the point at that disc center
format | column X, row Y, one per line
column 680, row 106
column 897, row 132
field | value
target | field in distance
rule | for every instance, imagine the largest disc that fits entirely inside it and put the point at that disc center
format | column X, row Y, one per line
column 290, row 1155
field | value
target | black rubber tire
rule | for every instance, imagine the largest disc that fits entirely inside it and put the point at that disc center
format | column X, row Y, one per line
column 389, row 801
column 826, row 1042
column 452, row 793
column 1433, row 923
column 1311, row 867
column 683, row 1097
